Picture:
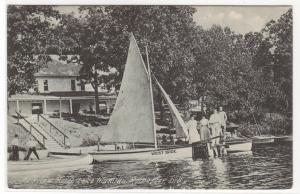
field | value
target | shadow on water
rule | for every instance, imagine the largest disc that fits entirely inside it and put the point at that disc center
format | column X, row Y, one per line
column 267, row 167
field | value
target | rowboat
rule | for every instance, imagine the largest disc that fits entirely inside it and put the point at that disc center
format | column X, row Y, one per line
column 52, row 162
column 263, row 139
column 234, row 146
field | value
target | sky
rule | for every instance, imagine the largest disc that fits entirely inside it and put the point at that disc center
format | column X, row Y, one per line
column 241, row 19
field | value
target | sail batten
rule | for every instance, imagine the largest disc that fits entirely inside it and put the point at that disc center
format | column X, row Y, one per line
column 132, row 117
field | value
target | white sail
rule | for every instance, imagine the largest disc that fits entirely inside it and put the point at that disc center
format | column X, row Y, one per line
column 181, row 130
column 132, row 118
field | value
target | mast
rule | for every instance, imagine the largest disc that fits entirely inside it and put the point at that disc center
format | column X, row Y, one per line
column 151, row 93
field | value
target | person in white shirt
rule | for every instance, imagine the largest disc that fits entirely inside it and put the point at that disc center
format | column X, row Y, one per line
column 216, row 130
column 192, row 129
column 223, row 118
column 31, row 144
column 15, row 148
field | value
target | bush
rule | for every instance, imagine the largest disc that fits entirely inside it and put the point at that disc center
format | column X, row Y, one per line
column 89, row 142
column 267, row 127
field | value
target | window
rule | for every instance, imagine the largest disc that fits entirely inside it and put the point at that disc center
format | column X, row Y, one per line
column 73, row 86
column 82, row 86
column 46, row 85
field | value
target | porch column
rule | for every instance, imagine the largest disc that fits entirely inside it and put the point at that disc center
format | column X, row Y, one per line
column 95, row 106
column 71, row 107
column 60, row 108
column 18, row 106
column 45, row 106
column 107, row 108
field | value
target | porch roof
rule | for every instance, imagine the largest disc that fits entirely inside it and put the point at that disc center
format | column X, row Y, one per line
column 30, row 97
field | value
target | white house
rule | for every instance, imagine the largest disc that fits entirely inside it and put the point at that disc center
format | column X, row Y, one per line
column 59, row 77
column 59, row 91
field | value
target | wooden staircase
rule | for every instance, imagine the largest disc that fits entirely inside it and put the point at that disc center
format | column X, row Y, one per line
column 50, row 138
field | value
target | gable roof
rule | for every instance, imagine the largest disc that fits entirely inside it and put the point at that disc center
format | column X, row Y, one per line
column 57, row 68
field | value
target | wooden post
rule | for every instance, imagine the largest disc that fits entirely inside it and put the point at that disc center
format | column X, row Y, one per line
column 45, row 106
column 59, row 107
column 98, row 144
column 71, row 106
column 18, row 106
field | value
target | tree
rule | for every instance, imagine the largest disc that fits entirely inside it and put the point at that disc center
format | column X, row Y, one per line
column 274, row 58
column 29, row 37
column 224, row 72
column 279, row 34
column 88, row 38
column 166, row 31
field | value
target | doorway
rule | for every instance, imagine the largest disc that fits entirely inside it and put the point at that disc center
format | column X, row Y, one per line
column 37, row 108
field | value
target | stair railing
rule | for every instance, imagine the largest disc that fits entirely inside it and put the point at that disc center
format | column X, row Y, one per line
column 52, row 126
column 31, row 127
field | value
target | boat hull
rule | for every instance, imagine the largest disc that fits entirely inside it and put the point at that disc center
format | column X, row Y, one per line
column 244, row 146
column 262, row 140
column 144, row 154
column 54, row 163
column 163, row 154
column 284, row 139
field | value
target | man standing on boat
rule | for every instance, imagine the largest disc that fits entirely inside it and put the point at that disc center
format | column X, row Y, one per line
column 31, row 144
column 192, row 130
column 15, row 148
column 216, row 130
column 223, row 119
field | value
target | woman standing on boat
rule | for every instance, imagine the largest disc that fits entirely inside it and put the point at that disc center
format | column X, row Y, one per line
column 192, row 129
column 204, row 130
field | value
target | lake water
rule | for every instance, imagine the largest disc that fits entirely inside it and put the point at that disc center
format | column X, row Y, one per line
column 267, row 167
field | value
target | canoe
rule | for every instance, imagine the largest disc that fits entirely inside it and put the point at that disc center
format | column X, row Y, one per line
column 50, row 163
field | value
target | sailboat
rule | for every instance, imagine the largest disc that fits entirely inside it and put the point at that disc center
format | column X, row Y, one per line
column 131, row 130
column 132, row 122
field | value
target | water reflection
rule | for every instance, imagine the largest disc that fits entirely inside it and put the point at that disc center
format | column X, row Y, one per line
column 269, row 167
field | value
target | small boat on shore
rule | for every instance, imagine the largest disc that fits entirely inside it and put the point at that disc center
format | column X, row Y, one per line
column 54, row 161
